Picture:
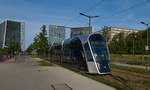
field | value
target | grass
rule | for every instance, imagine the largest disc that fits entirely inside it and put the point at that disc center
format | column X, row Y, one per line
column 137, row 70
column 131, row 59
column 138, row 63
column 45, row 63
column 143, row 81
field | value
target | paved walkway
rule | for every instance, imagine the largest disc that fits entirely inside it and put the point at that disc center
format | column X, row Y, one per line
column 134, row 66
column 58, row 75
column 25, row 74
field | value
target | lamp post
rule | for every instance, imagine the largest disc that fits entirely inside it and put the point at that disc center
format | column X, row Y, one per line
column 146, row 47
column 89, row 17
column 134, row 39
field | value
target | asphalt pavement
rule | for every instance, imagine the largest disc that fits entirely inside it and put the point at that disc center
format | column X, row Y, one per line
column 26, row 74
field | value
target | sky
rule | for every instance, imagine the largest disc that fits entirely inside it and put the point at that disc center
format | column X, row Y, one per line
column 35, row 13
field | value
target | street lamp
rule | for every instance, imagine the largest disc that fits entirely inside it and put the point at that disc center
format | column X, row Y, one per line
column 147, row 48
column 89, row 20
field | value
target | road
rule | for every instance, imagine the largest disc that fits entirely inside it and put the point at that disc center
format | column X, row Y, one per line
column 26, row 74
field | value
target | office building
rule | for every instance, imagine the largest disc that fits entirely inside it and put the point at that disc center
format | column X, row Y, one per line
column 80, row 31
column 56, row 33
column 112, row 31
column 11, row 30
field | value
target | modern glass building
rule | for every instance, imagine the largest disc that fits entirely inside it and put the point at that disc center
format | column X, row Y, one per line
column 80, row 31
column 56, row 33
column 11, row 30
column 2, row 31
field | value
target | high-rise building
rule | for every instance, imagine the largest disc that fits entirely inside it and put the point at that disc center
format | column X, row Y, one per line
column 80, row 31
column 11, row 30
column 56, row 33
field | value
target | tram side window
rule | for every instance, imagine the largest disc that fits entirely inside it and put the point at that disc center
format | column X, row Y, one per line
column 88, row 52
column 67, row 53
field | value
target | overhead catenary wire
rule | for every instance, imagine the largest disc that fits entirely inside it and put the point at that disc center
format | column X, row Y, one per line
column 131, row 7
column 88, row 10
column 94, row 6
column 126, row 9
column 142, row 3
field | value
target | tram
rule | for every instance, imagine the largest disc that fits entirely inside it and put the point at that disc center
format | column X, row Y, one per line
column 85, row 52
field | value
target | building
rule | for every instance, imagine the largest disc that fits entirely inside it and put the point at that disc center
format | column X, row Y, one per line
column 80, row 31
column 112, row 31
column 56, row 33
column 11, row 30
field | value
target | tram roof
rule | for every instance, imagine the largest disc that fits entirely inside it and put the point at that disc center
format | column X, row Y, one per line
column 82, row 38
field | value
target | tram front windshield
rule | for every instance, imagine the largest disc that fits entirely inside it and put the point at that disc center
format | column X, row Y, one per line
column 100, row 50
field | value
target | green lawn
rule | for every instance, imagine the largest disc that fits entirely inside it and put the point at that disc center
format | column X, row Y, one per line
column 128, row 57
column 131, row 59
column 137, row 70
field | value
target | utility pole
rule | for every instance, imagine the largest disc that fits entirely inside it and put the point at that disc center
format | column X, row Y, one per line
column 133, row 47
column 89, row 17
column 147, row 46
column 133, row 36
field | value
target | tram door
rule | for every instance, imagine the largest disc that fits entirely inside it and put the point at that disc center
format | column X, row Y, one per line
column 79, row 56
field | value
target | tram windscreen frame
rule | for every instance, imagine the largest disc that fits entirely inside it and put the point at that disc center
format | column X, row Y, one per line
column 99, row 48
column 88, row 52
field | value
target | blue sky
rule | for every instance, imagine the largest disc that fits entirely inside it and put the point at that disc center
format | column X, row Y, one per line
column 35, row 13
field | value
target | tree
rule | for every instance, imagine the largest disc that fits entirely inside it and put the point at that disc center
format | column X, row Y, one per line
column 118, row 44
column 3, row 51
column 132, row 43
column 43, row 41
column 30, row 48
column 13, row 47
column 105, row 33
column 40, row 43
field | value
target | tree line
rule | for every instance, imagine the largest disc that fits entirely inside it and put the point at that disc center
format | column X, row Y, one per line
column 133, row 43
